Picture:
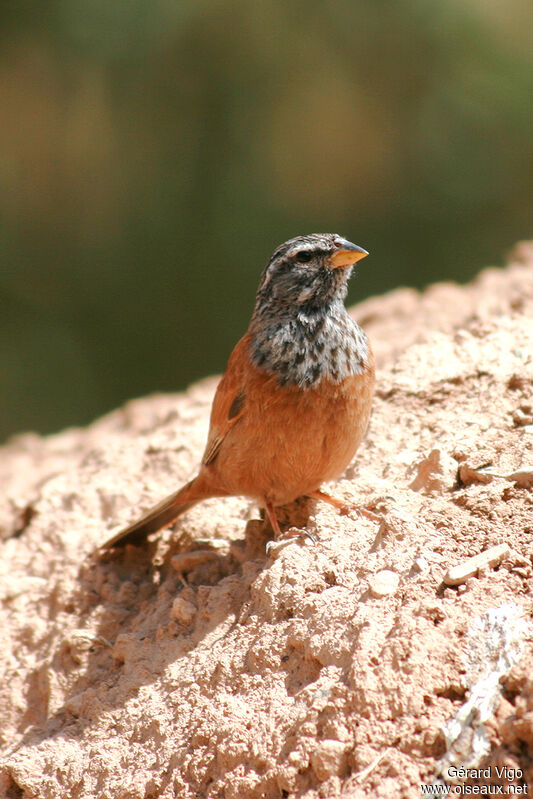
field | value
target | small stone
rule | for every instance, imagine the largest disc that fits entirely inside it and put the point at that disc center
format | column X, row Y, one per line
column 213, row 543
column 383, row 583
column 74, row 704
column 477, row 564
column 522, row 572
column 469, row 474
column 522, row 477
column 420, row 564
column 327, row 758
column 522, row 418
column 434, row 473
column 190, row 560
column 125, row 645
column 297, row 759
column 182, row 610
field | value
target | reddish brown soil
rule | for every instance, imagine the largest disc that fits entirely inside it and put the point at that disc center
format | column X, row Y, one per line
column 256, row 676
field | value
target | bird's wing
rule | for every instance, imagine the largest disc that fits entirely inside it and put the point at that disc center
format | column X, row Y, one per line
column 230, row 400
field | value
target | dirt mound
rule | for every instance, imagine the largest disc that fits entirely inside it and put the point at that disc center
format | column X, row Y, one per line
column 344, row 668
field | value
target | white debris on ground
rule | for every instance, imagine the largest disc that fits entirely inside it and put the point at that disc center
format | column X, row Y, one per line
column 495, row 642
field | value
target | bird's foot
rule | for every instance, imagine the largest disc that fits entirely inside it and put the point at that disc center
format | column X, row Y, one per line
column 345, row 508
column 288, row 537
column 360, row 510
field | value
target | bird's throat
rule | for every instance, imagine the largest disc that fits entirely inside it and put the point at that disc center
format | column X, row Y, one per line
column 305, row 348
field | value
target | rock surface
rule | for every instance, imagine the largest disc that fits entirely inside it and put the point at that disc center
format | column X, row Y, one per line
column 254, row 676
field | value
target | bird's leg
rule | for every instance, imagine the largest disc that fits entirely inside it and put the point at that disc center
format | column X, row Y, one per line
column 273, row 519
column 343, row 507
column 289, row 535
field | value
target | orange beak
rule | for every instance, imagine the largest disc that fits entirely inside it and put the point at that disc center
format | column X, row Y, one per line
column 347, row 255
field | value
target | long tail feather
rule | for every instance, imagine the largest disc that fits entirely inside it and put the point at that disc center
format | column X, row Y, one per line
column 161, row 515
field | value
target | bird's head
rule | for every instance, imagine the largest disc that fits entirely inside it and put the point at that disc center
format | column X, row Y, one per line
column 307, row 273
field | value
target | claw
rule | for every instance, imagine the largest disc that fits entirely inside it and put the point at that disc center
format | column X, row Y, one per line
column 344, row 508
column 289, row 538
column 360, row 511
column 308, row 535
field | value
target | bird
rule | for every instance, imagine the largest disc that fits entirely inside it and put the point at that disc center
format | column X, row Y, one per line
column 294, row 402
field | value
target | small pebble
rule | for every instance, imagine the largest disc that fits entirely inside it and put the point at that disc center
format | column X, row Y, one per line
column 522, row 418
column 420, row 564
column 522, row 572
column 477, row 564
column 383, row 583
column 190, row 560
column 182, row 610
column 327, row 759
column 468, row 475
column 213, row 543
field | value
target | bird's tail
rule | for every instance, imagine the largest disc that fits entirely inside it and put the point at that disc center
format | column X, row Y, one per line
column 161, row 515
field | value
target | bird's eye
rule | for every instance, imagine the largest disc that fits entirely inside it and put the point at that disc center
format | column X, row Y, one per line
column 303, row 257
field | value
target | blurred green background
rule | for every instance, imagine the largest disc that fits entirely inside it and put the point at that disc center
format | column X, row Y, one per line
column 153, row 153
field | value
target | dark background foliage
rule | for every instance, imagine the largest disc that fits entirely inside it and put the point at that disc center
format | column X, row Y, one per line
column 153, row 153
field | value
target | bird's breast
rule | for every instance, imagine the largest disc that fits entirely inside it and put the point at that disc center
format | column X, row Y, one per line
column 290, row 439
column 307, row 349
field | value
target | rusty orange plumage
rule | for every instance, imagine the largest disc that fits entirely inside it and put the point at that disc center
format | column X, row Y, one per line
column 294, row 402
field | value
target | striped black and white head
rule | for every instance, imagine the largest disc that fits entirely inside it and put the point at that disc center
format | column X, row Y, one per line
column 300, row 331
column 307, row 272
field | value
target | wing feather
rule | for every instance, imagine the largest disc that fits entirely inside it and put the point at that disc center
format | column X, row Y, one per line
column 229, row 403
